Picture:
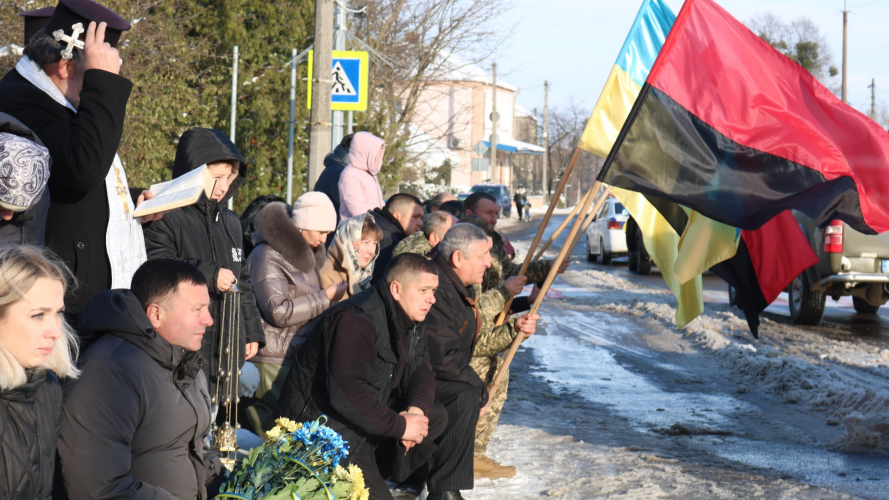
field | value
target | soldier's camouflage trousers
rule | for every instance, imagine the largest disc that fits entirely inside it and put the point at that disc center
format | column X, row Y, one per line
column 486, row 368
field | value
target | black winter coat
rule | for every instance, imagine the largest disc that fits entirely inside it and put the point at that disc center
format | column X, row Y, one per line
column 361, row 408
column 452, row 327
column 329, row 180
column 28, row 226
column 392, row 236
column 134, row 423
column 208, row 235
column 82, row 146
column 29, row 431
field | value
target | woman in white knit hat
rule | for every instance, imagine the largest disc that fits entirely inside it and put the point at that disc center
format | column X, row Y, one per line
column 289, row 251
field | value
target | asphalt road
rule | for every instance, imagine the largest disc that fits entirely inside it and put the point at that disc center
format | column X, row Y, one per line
column 839, row 317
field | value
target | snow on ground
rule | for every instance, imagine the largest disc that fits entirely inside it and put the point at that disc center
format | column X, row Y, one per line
column 840, row 378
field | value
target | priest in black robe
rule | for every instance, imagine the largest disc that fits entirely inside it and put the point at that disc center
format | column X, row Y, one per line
column 68, row 90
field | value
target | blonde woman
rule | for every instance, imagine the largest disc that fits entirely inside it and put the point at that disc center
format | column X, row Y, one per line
column 36, row 349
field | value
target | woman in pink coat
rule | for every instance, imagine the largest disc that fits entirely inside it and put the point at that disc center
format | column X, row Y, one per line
column 359, row 188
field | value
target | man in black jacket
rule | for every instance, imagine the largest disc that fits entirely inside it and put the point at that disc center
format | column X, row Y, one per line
column 75, row 102
column 452, row 329
column 208, row 235
column 365, row 366
column 401, row 217
column 334, row 164
column 133, row 423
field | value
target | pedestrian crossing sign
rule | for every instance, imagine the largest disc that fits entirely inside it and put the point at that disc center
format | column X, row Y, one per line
column 348, row 80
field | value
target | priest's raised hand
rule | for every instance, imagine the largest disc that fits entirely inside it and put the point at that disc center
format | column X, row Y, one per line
column 98, row 53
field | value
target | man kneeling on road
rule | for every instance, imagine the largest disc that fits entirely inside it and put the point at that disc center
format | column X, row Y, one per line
column 365, row 366
column 452, row 331
column 134, row 423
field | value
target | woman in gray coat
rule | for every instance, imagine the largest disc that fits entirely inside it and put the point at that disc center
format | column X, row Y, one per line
column 289, row 251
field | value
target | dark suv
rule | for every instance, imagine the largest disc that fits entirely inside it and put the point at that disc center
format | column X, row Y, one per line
column 501, row 192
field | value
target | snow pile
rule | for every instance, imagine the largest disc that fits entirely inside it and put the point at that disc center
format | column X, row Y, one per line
column 800, row 366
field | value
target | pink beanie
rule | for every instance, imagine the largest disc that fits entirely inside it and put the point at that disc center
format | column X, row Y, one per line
column 314, row 211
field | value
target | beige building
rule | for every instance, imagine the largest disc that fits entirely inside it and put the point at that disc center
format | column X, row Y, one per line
column 453, row 119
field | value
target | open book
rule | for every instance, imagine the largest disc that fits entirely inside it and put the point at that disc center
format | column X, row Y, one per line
column 180, row 192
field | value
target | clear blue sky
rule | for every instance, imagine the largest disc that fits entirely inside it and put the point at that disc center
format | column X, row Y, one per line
column 573, row 43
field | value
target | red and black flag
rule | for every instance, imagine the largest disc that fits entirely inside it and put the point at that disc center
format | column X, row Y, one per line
column 728, row 126
column 768, row 259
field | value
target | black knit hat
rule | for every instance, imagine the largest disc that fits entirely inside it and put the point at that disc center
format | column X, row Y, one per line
column 35, row 20
column 70, row 12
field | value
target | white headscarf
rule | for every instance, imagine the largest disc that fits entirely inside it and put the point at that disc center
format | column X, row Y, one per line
column 349, row 234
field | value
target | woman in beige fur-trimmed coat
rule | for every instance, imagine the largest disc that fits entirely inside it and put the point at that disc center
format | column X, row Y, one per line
column 289, row 251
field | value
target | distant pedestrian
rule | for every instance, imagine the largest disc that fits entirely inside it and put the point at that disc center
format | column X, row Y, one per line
column 519, row 198
column 359, row 188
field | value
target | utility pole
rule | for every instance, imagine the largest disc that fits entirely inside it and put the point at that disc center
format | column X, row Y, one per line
column 873, row 98
column 339, row 43
column 322, row 82
column 292, row 120
column 234, row 109
column 845, row 37
column 545, row 140
column 495, row 117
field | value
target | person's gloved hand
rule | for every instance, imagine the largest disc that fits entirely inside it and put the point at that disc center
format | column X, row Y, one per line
column 249, row 379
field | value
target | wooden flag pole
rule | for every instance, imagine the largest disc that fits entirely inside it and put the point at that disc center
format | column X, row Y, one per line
column 542, row 228
column 553, row 271
column 590, row 218
column 564, row 224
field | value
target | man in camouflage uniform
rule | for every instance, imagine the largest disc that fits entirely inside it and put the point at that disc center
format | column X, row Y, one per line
column 482, row 210
column 435, row 225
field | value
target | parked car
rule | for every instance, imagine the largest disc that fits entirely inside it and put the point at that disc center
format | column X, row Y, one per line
column 605, row 236
column 501, row 192
column 463, row 196
column 640, row 261
column 850, row 263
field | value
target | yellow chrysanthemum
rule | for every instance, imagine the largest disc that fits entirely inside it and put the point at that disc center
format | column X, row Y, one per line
column 289, row 425
column 274, row 433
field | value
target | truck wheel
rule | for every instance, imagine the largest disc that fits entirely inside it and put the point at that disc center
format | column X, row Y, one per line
column 632, row 257
column 732, row 296
column 643, row 262
column 606, row 256
column 863, row 307
column 806, row 305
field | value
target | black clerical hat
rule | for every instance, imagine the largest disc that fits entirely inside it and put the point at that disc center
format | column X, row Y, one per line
column 71, row 12
column 35, row 20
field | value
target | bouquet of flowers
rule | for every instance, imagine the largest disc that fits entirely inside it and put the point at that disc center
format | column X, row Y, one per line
column 297, row 462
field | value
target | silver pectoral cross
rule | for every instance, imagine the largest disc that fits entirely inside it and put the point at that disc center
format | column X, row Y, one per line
column 72, row 40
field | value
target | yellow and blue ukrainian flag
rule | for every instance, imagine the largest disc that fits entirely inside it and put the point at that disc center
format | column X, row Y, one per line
column 681, row 259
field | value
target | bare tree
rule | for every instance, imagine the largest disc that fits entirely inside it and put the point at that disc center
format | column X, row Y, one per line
column 802, row 41
column 566, row 125
column 424, row 42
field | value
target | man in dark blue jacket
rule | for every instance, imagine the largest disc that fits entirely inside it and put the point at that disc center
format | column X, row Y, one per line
column 329, row 180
